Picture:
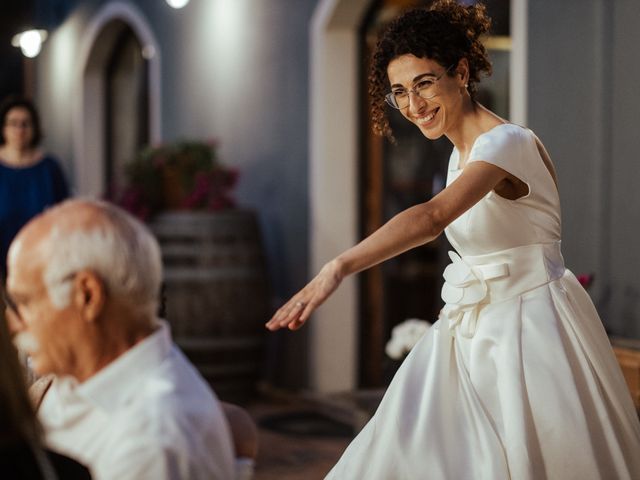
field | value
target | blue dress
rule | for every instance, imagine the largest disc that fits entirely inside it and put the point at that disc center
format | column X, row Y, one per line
column 25, row 192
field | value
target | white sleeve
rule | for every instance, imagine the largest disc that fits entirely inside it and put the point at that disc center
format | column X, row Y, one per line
column 504, row 147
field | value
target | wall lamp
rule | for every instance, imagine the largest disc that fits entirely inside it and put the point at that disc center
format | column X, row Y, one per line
column 30, row 42
column 177, row 3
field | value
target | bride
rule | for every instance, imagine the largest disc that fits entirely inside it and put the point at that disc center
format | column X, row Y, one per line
column 517, row 379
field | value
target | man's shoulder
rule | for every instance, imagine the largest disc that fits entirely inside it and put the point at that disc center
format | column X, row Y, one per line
column 165, row 418
column 167, row 398
column 174, row 395
column 174, row 419
column 176, row 378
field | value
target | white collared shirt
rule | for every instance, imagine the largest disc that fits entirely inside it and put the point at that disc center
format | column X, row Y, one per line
column 146, row 415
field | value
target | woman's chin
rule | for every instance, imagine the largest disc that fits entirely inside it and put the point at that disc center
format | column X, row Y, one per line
column 433, row 130
column 431, row 133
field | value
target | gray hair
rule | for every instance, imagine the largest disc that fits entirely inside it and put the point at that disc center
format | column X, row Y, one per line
column 115, row 246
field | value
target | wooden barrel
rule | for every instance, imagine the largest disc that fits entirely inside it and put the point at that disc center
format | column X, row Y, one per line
column 217, row 294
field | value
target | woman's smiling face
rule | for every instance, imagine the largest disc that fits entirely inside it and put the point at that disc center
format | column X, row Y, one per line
column 436, row 115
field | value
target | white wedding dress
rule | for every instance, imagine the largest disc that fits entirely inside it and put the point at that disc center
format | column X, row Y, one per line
column 516, row 379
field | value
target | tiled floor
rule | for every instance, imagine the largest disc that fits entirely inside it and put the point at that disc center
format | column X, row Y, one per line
column 292, row 456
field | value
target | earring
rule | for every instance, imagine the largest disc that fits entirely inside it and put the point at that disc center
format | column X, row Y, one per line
column 466, row 85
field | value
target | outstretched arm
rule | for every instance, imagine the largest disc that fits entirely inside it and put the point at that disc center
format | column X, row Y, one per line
column 408, row 229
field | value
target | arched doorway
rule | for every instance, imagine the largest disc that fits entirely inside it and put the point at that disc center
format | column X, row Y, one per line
column 126, row 104
column 119, row 107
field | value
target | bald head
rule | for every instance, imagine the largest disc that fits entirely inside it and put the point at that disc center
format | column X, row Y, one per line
column 91, row 235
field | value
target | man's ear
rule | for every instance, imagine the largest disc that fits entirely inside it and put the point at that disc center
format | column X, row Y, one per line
column 89, row 295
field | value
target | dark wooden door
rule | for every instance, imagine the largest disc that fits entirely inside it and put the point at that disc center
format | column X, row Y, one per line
column 396, row 177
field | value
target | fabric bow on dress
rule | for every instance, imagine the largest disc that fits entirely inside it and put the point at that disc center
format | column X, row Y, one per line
column 464, row 291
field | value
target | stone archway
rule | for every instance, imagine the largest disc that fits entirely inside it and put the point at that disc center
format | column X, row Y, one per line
column 89, row 118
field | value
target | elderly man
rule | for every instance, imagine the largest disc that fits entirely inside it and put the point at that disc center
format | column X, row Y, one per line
column 84, row 279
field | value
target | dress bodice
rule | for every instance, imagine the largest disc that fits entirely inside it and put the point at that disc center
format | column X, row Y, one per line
column 496, row 223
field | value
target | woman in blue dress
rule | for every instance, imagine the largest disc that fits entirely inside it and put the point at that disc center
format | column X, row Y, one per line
column 30, row 180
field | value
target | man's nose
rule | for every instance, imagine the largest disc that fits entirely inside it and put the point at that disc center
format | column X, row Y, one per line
column 14, row 322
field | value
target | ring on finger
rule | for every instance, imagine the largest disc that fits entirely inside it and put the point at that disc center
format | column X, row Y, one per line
column 300, row 304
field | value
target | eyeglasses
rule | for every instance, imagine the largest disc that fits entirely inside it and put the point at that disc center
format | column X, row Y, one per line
column 19, row 124
column 425, row 89
column 6, row 298
column 11, row 304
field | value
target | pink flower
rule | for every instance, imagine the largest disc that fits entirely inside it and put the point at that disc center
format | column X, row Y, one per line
column 585, row 279
column 184, row 175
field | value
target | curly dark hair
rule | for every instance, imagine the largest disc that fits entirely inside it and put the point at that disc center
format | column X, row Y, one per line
column 16, row 101
column 445, row 32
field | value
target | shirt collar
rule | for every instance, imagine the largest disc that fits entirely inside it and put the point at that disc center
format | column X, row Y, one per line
column 114, row 384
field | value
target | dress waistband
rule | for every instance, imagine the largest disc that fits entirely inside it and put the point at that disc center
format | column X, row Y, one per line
column 475, row 280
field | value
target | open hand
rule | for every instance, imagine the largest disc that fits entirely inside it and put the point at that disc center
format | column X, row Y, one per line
column 299, row 308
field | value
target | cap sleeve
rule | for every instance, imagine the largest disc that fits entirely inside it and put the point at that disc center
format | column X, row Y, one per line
column 503, row 147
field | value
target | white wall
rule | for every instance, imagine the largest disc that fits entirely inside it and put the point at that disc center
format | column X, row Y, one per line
column 56, row 70
column 235, row 71
column 334, row 150
column 565, row 110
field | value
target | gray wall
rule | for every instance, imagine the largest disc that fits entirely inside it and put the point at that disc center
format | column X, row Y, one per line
column 620, row 81
column 583, row 103
column 235, row 71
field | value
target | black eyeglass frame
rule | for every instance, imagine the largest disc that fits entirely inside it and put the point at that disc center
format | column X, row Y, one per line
column 10, row 303
column 6, row 298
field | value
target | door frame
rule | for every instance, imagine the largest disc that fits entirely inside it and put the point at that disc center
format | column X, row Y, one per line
column 89, row 119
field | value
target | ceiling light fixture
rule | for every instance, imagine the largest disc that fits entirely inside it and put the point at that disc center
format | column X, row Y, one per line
column 30, row 42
